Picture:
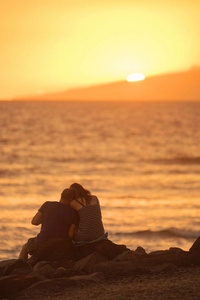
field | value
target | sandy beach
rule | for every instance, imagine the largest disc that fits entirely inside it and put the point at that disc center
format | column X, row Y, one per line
column 166, row 282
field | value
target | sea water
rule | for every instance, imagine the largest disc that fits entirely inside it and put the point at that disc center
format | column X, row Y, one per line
column 141, row 159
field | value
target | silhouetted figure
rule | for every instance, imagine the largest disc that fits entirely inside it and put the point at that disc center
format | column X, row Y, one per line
column 58, row 223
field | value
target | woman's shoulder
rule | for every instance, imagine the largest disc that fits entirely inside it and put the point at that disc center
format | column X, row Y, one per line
column 80, row 203
column 94, row 200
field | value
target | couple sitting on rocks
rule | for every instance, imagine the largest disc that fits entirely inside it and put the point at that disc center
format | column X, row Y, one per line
column 71, row 228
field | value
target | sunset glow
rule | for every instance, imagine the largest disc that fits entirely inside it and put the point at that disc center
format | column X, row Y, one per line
column 135, row 77
column 51, row 45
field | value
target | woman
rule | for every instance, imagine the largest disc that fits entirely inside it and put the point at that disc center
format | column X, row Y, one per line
column 90, row 221
column 90, row 236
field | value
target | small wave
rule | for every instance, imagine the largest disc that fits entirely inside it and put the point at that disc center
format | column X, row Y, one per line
column 179, row 160
column 4, row 140
column 165, row 233
column 19, row 206
column 4, row 228
column 5, row 172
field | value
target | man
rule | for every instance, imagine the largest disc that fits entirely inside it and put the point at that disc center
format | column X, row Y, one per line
column 57, row 219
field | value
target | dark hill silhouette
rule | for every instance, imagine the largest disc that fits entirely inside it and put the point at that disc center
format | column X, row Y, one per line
column 180, row 86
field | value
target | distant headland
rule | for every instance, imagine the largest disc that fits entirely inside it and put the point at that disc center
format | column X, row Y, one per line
column 180, row 86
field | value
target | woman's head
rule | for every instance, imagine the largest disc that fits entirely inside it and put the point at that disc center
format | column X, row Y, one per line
column 80, row 191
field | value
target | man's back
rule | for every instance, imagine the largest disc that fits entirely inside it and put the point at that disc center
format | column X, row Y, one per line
column 56, row 220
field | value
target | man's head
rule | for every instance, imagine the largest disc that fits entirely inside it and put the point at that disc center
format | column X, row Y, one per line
column 67, row 196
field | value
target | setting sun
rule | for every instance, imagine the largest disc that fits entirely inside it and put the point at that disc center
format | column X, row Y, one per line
column 135, row 77
column 41, row 41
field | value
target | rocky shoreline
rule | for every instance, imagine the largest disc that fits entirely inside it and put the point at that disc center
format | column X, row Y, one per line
column 129, row 275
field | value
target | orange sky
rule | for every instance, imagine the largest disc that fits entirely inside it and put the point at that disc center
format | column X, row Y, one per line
column 52, row 45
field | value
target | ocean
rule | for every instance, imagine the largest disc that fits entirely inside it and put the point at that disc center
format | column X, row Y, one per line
column 141, row 159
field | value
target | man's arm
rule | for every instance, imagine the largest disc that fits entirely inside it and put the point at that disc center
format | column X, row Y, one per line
column 37, row 219
column 72, row 231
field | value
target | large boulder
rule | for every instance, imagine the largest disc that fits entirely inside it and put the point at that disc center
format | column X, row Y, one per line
column 44, row 269
column 45, row 287
column 85, row 264
column 195, row 248
column 106, row 248
column 175, row 256
column 195, row 251
column 12, row 284
column 14, row 267
column 130, row 255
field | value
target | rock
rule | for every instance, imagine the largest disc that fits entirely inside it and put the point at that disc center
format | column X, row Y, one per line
column 173, row 256
column 62, row 272
column 165, row 269
column 158, row 252
column 140, row 251
column 67, row 264
column 56, row 275
column 127, row 256
column 106, row 248
column 39, row 265
column 56, row 285
column 176, row 250
column 6, row 287
column 195, row 252
column 96, row 277
column 44, row 269
column 117, row 269
column 195, row 247
column 5, row 264
column 86, row 263
column 14, row 267
column 10, row 285
column 33, row 260
column 109, row 249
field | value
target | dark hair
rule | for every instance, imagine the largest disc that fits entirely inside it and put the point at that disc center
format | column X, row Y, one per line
column 81, row 192
column 68, row 195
